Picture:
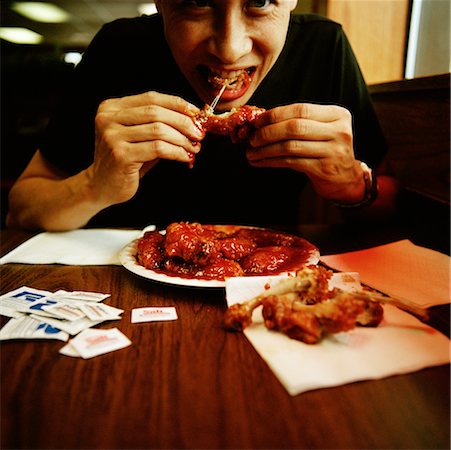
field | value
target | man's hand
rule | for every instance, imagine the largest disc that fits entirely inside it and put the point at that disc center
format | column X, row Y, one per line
column 314, row 139
column 132, row 134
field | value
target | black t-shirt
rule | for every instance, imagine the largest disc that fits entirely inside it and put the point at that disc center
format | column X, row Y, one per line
column 130, row 56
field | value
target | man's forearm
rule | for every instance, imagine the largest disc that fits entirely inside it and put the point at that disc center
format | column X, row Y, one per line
column 53, row 205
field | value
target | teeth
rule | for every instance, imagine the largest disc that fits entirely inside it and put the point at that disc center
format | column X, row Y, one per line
column 229, row 74
column 234, row 78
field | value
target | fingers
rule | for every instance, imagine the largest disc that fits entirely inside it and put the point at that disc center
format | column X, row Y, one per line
column 289, row 148
column 151, row 113
column 301, row 121
column 150, row 98
column 321, row 113
column 314, row 139
column 146, row 127
column 158, row 131
column 143, row 152
column 147, row 142
column 148, row 114
column 298, row 128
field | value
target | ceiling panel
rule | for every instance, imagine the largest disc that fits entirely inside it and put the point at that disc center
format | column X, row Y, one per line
column 87, row 17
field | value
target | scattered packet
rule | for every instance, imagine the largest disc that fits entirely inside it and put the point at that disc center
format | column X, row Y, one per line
column 13, row 307
column 39, row 308
column 65, row 311
column 27, row 293
column 100, row 311
column 21, row 299
column 72, row 327
column 94, row 342
column 9, row 312
column 27, row 327
column 153, row 314
column 69, row 350
column 80, row 295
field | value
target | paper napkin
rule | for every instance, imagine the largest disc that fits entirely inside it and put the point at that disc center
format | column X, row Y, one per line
column 400, row 269
column 400, row 344
column 77, row 247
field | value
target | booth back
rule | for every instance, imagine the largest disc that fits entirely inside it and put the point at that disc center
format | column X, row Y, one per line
column 415, row 117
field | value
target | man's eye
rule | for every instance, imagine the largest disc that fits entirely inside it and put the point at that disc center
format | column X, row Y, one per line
column 259, row 3
column 197, row 3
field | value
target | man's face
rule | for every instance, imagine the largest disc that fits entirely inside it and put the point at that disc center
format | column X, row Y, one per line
column 218, row 41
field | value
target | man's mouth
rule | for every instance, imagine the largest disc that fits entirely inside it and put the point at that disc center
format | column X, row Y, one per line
column 234, row 80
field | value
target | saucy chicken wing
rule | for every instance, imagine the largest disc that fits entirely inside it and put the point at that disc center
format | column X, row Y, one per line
column 237, row 123
column 217, row 252
column 305, row 309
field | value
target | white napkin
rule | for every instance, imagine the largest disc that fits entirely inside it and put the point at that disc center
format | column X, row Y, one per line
column 400, row 269
column 77, row 247
column 400, row 344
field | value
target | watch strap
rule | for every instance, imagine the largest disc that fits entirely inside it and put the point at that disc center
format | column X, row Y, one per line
column 371, row 189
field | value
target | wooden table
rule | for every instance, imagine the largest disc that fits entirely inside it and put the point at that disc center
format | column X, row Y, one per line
column 190, row 384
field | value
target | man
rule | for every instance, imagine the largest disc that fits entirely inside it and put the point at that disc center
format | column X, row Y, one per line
column 143, row 80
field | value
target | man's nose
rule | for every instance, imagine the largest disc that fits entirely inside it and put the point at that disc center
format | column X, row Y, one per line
column 230, row 39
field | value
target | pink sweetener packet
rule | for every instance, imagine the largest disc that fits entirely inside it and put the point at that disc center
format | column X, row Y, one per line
column 94, row 342
column 153, row 314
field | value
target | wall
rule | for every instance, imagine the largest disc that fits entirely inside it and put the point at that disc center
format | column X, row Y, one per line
column 377, row 30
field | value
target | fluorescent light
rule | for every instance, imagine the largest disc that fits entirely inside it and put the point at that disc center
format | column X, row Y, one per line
column 72, row 58
column 19, row 35
column 147, row 8
column 41, row 12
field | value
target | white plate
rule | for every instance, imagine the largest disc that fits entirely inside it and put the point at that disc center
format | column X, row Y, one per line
column 127, row 258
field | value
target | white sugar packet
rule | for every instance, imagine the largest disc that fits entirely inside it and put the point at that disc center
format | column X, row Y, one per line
column 153, row 314
column 101, row 311
column 27, row 300
column 72, row 327
column 20, row 300
column 13, row 307
column 60, row 304
column 9, row 312
column 95, row 342
column 27, row 293
column 84, row 296
column 26, row 327
column 68, row 350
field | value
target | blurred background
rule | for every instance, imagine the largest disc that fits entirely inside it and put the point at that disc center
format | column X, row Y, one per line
column 40, row 42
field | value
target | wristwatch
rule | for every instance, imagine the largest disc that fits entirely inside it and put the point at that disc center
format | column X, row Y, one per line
column 371, row 189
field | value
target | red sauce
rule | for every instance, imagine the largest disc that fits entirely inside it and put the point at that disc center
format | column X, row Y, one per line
column 237, row 124
column 192, row 250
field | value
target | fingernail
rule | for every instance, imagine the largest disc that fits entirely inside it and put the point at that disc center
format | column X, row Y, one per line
column 195, row 146
column 199, row 134
column 192, row 110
